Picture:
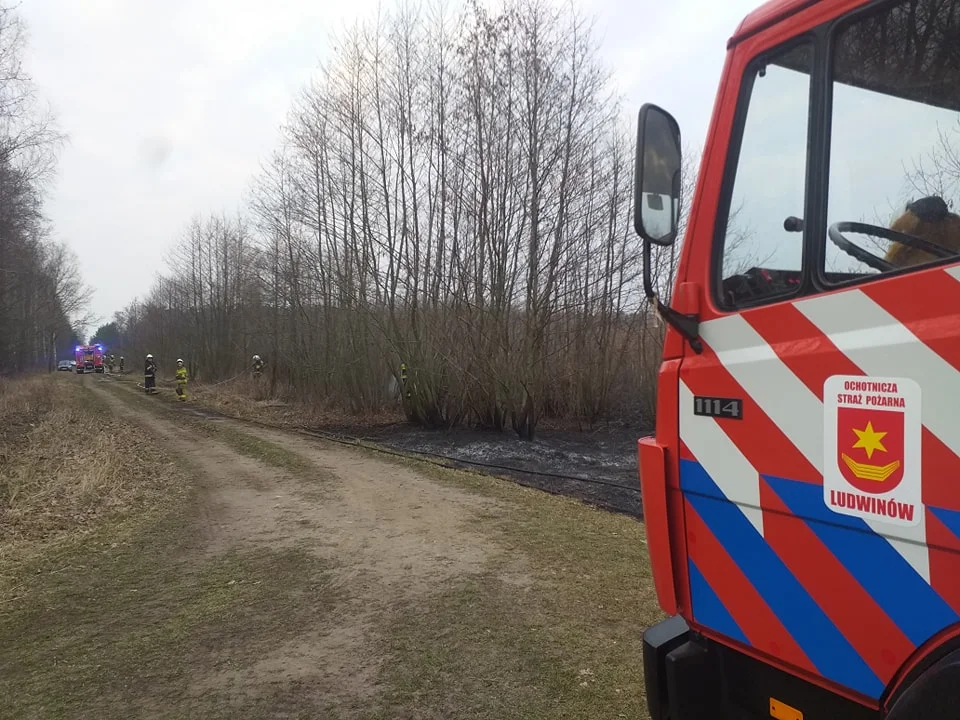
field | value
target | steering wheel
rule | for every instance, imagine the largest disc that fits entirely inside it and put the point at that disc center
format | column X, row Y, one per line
column 835, row 233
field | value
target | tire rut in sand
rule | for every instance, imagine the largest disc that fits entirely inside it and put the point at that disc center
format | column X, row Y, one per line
column 390, row 535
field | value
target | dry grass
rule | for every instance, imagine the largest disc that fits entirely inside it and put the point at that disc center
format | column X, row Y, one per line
column 23, row 403
column 552, row 629
column 136, row 627
column 246, row 399
column 67, row 465
column 129, row 616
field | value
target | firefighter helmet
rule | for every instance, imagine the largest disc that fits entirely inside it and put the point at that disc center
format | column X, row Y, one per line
column 179, row 361
column 149, row 356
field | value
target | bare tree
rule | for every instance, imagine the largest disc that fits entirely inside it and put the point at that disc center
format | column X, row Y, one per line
column 41, row 297
column 451, row 194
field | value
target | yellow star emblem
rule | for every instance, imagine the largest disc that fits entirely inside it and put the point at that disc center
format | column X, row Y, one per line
column 869, row 439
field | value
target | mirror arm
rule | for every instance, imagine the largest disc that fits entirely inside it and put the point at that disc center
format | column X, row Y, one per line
column 686, row 325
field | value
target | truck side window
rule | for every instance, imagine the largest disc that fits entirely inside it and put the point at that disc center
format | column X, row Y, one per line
column 895, row 141
column 762, row 258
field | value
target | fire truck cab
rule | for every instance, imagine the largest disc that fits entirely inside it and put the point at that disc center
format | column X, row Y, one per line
column 81, row 357
column 89, row 358
column 802, row 491
column 98, row 365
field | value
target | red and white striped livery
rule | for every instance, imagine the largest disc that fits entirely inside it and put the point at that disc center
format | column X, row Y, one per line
column 802, row 491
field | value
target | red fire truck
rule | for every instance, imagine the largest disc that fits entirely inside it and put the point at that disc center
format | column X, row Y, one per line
column 89, row 358
column 81, row 357
column 802, row 491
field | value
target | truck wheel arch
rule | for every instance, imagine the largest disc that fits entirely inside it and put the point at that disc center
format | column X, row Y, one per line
column 914, row 689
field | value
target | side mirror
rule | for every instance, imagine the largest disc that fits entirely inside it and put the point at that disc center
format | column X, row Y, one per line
column 657, row 176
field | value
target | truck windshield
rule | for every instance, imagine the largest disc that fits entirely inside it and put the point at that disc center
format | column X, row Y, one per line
column 895, row 122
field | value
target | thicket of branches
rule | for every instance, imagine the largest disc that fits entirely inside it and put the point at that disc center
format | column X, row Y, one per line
column 453, row 192
column 40, row 287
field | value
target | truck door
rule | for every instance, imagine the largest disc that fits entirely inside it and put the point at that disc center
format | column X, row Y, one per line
column 819, row 432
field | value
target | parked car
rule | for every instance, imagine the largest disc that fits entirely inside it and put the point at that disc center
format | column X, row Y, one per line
column 67, row 365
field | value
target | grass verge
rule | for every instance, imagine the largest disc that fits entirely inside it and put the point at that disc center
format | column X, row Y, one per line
column 138, row 628
column 247, row 399
column 120, row 612
column 68, row 466
column 552, row 629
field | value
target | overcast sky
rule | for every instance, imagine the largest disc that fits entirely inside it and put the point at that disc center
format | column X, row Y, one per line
column 170, row 106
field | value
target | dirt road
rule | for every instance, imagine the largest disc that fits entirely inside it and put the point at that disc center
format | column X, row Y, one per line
column 389, row 534
column 312, row 580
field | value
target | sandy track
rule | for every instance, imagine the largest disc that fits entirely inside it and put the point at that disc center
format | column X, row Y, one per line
column 390, row 534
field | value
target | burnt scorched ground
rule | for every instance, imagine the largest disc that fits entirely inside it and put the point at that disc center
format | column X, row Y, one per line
column 598, row 467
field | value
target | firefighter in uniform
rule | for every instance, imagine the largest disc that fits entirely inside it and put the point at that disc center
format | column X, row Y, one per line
column 181, row 381
column 257, row 366
column 150, row 375
column 121, row 364
column 403, row 379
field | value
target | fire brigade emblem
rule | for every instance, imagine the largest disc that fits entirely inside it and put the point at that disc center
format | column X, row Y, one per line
column 872, row 435
column 870, row 448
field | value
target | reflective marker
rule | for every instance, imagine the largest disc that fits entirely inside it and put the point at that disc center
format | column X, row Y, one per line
column 782, row 711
